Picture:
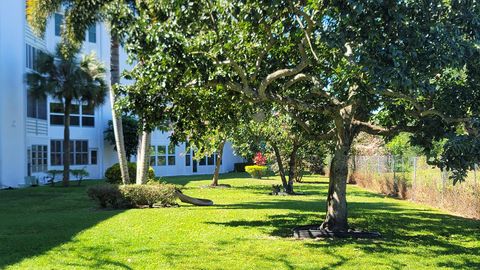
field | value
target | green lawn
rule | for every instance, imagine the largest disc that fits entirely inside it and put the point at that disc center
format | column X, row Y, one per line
column 59, row 228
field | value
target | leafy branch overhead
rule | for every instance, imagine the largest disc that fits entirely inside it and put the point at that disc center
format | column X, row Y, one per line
column 336, row 67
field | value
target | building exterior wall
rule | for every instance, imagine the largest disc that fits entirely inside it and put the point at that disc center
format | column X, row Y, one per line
column 12, row 99
column 20, row 135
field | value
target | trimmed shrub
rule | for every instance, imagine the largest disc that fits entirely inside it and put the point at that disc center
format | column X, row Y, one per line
column 256, row 171
column 113, row 174
column 106, row 196
column 131, row 196
column 149, row 195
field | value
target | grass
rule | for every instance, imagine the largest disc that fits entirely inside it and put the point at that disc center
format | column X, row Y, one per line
column 59, row 228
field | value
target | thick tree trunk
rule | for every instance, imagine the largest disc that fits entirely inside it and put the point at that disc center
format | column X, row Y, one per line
column 117, row 118
column 281, row 169
column 218, row 163
column 143, row 161
column 292, row 168
column 336, row 216
column 66, row 143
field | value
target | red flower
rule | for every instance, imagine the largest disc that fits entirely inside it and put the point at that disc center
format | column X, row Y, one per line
column 260, row 159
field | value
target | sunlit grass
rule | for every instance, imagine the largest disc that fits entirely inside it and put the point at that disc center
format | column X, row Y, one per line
column 57, row 228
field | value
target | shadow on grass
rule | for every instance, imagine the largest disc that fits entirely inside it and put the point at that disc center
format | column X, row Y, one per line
column 96, row 259
column 186, row 179
column 35, row 220
column 414, row 231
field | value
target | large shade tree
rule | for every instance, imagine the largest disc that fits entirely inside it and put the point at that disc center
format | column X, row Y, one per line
column 71, row 81
column 79, row 16
column 379, row 67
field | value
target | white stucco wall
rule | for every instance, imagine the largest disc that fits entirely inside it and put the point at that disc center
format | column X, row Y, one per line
column 12, row 98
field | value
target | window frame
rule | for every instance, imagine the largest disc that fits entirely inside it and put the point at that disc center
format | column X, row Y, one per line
column 37, row 107
column 77, row 156
column 38, row 158
column 161, row 155
column 171, row 155
column 77, row 116
column 93, row 150
column 188, row 155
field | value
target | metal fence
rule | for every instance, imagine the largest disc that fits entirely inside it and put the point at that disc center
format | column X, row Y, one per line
column 414, row 179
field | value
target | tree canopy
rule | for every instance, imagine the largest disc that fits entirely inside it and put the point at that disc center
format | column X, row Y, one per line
column 337, row 67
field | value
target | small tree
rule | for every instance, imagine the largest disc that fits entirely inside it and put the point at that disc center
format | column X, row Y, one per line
column 69, row 80
column 284, row 141
column 130, row 134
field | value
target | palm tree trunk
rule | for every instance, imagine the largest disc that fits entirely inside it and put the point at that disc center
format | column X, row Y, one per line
column 143, row 161
column 116, row 118
column 218, row 163
column 66, row 143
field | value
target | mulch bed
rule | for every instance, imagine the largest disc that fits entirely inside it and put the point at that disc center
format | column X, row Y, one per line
column 313, row 232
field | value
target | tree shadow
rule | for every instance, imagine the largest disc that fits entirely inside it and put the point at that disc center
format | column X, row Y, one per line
column 95, row 259
column 401, row 226
column 267, row 189
column 35, row 220
column 186, row 179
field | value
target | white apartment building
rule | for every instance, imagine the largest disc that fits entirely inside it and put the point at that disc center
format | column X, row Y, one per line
column 31, row 131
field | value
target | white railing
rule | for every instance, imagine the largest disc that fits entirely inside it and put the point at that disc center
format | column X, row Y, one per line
column 37, row 126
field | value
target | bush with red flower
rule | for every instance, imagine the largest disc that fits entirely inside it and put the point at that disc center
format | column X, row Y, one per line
column 259, row 169
column 259, row 159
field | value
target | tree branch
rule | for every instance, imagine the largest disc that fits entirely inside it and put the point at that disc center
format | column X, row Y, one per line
column 316, row 89
column 282, row 73
column 308, row 30
column 240, row 72
column 379, row 130
column 422, row 111
column 261, row 56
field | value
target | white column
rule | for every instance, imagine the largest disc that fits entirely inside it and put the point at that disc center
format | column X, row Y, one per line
column 12, row 94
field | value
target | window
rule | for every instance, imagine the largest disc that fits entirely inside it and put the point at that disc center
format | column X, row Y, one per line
column 92, row 34
column 39, row 158
column 152, row 156
column 56, row 152
column 187, row 155
column 81, row 153
column 56, row 114
column 88, row 116
column 211, row 160
column 203, row 161
column 93, row 157
column 36, row 107
column 83, row 116
column 31, row 56
column 171, row 154
column 161, row 155
column 78, row 152
column 58, row 24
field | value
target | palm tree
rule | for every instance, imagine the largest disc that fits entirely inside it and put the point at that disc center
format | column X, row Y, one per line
column 79, row 16
column 69, row 80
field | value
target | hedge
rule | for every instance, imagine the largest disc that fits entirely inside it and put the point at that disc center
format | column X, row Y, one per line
column 133, row 196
